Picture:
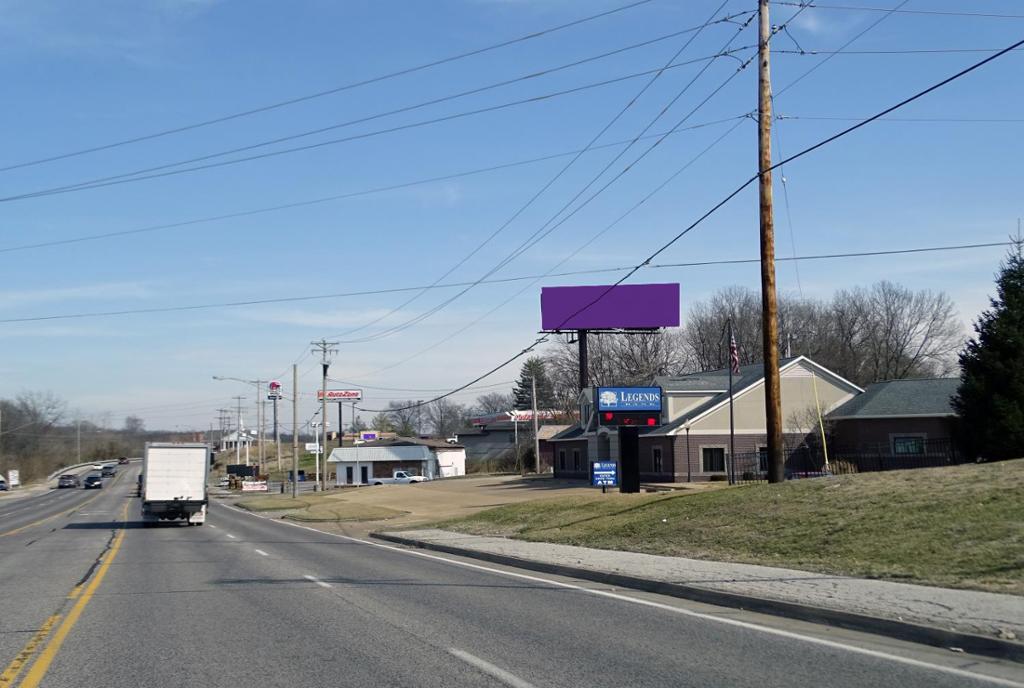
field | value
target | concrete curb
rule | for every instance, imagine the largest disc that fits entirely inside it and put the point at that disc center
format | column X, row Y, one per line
column 901, row 630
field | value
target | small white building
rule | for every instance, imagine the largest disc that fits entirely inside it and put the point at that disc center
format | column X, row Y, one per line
column 432, row 459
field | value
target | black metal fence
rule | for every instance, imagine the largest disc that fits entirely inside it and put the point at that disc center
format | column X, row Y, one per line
column 806, row 461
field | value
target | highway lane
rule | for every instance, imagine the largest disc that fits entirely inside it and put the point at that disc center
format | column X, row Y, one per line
column 246, row 600
column 48, row 545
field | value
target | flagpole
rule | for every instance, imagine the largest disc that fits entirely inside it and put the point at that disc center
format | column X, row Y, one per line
column 732, row 424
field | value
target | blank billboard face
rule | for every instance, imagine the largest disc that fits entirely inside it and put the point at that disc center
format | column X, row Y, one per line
column 626, row 306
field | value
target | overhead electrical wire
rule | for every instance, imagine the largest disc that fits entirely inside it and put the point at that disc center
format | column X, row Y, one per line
column 500, row 280
column 547, row 228
column 529, row 76
column 939, row 13
column 725, row 200
column 142, row 175
column 337, row 197
column 543, row 189
column 337, row 89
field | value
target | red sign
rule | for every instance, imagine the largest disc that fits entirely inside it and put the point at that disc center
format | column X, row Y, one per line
column 340, row 395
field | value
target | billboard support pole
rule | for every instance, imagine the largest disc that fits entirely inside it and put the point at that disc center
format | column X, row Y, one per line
column 581, row 337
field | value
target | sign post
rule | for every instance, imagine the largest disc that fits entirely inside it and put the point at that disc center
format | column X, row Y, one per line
column 605, row 474
column 13, row 478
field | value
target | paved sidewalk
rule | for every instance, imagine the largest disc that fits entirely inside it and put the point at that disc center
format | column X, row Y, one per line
column 963, row 611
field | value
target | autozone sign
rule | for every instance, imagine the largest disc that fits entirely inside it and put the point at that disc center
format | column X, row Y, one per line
column 340, row 395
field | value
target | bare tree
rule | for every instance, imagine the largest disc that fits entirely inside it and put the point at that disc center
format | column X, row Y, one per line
column 494, row 402
column 404, row 416
column 382, row 423
column 133, row 425
column 445, row 417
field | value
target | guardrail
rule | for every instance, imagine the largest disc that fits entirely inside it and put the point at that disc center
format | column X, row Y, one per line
column 78, row 465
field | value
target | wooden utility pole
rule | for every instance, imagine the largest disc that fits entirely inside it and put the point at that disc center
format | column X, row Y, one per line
column 295, row 431
column 769, row 304
column 325, row 349
column 536, row 435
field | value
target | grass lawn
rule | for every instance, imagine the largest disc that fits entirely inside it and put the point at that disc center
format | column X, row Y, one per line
column 959, row 527
column 320, row 508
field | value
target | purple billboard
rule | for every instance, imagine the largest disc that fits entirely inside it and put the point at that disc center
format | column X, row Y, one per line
column 626, row 306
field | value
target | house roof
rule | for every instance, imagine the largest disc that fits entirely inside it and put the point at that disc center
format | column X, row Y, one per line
column 368, row 454
column 748, row 376
column 547, row 432
column 896, row 398
column 412, row 441
column 570, row 433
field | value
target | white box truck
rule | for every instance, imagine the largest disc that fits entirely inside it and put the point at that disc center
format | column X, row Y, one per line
column 173, row 482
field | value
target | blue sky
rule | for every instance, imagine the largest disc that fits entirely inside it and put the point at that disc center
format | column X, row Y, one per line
column 79, row 75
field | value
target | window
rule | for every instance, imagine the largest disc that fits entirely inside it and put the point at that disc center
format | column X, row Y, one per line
column 713, row 459
column 762, row 459
column 656, row 459
column 561, row 459
column 575, row 459
column 908, row 444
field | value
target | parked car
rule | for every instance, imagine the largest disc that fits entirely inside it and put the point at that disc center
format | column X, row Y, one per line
column 68, row 480
column 399, row 478
column 224, row 482
column 93, row 482
column 3, row 485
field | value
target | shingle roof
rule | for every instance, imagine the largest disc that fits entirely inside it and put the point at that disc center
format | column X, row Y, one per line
column 571, row 433
column 411, row 441
column 925, row 397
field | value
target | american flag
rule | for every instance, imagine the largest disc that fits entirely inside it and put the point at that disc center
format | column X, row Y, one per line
column 734, row 356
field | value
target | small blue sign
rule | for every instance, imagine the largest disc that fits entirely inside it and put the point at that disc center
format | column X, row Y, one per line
column 629, row 398
column 605, row 473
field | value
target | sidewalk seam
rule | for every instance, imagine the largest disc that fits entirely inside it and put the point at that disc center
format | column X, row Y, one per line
column 901, row 630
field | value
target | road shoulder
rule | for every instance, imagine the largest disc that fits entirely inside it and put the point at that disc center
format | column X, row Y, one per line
column 976, row 622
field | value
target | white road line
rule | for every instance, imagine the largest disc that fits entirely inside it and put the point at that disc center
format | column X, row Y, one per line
column 231, row 536
column 259, row 551
column 665, row 607
column 316, row 580
column 211, row 525
column 491, row 670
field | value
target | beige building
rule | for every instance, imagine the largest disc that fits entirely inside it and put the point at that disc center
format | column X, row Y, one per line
column 693, row 442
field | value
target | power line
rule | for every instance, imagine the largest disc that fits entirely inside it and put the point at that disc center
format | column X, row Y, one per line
column 500, row 280
column 922, row 51
column 405, row 389
column 547, row 228
column 529, row 76
column 622, row 111
column 336, row 89
column 633, row 270
column 343, row 196
column 972, row 120
column 141, row 175
column 939, row 13
column 843, row 47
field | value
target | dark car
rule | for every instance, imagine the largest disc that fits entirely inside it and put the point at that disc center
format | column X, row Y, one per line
column 108, row 472
column 68, row 480
column 122, row 461
column 93, row 482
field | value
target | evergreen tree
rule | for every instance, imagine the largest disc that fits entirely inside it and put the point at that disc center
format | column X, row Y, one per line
column 990, row 400
column 523, row 392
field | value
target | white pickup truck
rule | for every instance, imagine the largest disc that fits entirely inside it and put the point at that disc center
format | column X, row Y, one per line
column 399, row 478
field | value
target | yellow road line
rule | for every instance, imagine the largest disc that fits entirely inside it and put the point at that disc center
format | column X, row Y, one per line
column 76, row 592
column 15, row 667
column 58, row 514
column 42, row 664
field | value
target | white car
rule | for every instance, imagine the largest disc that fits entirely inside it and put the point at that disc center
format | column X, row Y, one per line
column 399, row 478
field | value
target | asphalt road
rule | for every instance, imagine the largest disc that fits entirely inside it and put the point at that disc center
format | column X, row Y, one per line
column 247, row 601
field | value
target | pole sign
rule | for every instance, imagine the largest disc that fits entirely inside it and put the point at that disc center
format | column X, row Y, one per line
column 340, row 395
column 312, row 447
column 638, row 406
column 13, row 478
column 274, row 390
column 629, row 398
column 605, row 473
column 368, row 436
